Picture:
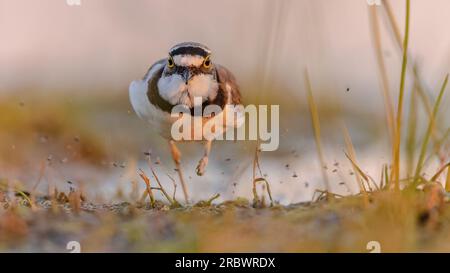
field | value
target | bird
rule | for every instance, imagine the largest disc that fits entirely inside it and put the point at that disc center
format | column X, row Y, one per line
column 187, row 76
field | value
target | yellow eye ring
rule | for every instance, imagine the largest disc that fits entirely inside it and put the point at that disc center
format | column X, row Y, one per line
column 170, row 62
column 207, row 62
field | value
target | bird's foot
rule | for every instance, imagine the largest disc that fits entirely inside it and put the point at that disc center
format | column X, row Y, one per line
column 202, row 166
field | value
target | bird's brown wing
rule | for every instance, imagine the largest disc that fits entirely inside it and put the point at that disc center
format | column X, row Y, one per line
column 228, row 88
column 152, row 77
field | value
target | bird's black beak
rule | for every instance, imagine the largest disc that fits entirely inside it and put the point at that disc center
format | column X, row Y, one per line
column 187, row 74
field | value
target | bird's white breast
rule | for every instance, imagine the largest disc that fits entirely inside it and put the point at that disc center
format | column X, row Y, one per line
column 173, row 89
column 204, row 86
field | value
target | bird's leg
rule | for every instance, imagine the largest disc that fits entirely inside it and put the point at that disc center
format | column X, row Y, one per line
column 204, row 161
column 176, row 155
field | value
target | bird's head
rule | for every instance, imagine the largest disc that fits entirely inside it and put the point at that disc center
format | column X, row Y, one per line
column 189, row 72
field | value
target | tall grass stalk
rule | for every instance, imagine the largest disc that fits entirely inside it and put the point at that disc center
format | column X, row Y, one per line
column 431, row 124
column 384, row 80
column 352, row 157
column 275, row 14
column 397, row 142
column 415, row 71
column 411, row 135
column 316, row 126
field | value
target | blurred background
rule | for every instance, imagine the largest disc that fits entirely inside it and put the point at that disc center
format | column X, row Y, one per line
column 66, row 119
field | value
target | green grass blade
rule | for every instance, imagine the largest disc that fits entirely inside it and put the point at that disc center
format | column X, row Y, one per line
column 396, row 157
column 411, row 135
column 431, row 124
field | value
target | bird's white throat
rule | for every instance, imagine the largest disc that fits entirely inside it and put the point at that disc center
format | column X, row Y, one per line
column 173, row 89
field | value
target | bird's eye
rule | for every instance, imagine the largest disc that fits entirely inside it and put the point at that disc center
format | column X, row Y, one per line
column 170, row 62
column 207, row 62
